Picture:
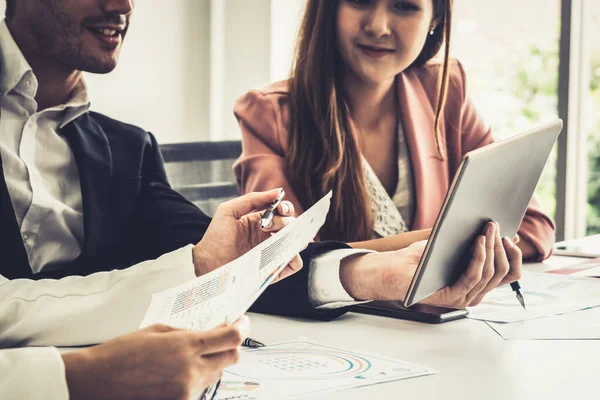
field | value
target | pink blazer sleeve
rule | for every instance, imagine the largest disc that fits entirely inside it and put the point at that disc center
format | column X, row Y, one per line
column 537, row 227
column 264, row 142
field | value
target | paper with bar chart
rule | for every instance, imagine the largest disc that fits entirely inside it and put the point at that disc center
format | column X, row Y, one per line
column 226, row 293
column 301, row 367
column 545, row 295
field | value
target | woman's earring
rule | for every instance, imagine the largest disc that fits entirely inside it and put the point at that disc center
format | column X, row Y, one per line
column 432, row 31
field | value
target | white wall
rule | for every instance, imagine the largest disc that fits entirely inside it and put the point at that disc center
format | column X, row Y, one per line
column 240, row 41
column 162, row 80
column 286, row 16
column 252, row 45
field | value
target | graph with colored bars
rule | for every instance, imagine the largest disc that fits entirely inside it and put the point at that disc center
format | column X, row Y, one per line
column 192, row 308
column 273, row 252
column 198, row 294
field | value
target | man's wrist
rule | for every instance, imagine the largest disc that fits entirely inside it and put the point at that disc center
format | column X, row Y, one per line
column 376, row 276
column 356, row 275
column 200, row 259
column 77, row 373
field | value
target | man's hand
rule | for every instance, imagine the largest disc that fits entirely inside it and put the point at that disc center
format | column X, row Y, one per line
column 235, row 229
column 157, row 363
column 496, row 261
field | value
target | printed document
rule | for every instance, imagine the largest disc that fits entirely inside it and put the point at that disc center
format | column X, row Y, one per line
column 223, row 295
column 578, row 325
column 545, row 295
column 299, row 368
column 588, row 268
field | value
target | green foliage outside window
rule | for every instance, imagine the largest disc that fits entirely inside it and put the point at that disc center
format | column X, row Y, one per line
column 593, row 216
column 535, row 88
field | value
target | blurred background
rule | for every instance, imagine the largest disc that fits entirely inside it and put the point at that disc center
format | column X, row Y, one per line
column 528, row 61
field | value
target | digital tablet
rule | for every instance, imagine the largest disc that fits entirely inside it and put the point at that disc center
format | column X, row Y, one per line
column 492, row 183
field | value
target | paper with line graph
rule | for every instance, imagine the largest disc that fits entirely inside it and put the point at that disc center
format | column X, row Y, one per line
column 226, row 293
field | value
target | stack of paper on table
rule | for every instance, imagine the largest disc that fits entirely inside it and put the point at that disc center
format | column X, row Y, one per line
column 578, row 325
column 223, row 295
column 545, row 295
column 589, row 268
column 558, row 307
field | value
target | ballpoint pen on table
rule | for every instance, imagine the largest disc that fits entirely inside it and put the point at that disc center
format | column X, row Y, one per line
column 268, row 215
column 517, row 289
column 252, row 343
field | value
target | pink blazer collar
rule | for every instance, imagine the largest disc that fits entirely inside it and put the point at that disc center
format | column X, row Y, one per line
column 429, row 171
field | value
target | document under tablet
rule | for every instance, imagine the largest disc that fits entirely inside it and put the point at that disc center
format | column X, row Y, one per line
column 493, row 183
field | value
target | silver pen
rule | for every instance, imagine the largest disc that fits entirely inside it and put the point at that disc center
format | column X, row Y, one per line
column 267, row 217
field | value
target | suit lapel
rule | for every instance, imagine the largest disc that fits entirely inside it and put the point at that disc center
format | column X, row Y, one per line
column 94, row 161
column 14, row 262
column 430, row 173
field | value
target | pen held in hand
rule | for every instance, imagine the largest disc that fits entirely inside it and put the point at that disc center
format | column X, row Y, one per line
column 269, row 214
column 517, row 289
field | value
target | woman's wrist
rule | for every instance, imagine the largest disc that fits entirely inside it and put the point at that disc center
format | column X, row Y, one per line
column 392, row 243
column 529, row 251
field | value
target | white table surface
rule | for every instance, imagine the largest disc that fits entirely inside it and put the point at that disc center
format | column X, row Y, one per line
column 473, row 360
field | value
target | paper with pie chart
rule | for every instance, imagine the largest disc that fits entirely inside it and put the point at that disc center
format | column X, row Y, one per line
column 298, row 368
column 544, row 294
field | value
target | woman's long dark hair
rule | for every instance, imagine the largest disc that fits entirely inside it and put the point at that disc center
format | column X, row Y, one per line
column 323, row 154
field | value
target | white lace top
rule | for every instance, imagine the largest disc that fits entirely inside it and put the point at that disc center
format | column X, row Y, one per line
column 392, row 215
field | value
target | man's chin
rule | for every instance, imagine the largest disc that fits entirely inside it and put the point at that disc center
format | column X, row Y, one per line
column 98, row 65
column 104, row 69
column 97, row 68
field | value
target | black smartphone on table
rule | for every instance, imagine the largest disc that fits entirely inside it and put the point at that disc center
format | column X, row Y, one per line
column 417, row 312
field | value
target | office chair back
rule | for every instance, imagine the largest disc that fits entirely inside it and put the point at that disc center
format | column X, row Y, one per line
column 201, row 171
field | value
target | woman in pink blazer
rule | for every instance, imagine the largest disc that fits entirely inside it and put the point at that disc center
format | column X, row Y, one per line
column 369, row 114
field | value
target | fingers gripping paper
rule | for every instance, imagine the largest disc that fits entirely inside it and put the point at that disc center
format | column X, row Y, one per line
column 223, row 295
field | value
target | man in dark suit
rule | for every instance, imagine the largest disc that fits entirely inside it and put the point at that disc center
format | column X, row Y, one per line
column 82, row 193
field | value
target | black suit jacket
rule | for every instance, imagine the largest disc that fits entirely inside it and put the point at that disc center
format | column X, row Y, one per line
column 131, row 214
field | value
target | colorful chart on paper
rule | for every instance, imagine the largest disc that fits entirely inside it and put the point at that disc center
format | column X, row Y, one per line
column 293, row 369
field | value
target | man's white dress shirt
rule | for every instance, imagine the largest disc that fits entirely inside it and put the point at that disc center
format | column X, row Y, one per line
column 74, row 311
column 39, row 167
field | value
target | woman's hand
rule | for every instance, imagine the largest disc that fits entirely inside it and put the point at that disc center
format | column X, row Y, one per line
column 387, row 276
column 496, row 261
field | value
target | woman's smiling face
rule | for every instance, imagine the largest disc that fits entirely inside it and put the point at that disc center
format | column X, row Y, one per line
column 378, row 39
